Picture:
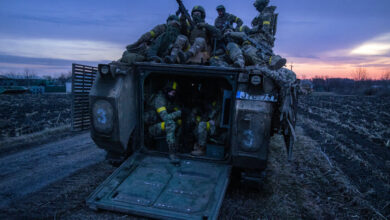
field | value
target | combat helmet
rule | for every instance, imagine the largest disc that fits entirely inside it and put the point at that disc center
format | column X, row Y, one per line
column 221, row 8
column 200, row 9
column 170, row 85
column 173, row 19
column 260, row 4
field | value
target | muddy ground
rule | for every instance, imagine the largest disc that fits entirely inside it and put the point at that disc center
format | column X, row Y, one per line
column 22, row 114
column 340, row 170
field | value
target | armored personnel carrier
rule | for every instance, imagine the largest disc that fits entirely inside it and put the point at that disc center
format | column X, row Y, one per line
column 146, row 183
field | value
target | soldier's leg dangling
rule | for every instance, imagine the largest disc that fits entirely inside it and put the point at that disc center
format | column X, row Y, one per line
column 181, row 43
column 235, row 55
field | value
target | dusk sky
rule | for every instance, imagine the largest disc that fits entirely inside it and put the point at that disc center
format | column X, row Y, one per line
column 320, row 37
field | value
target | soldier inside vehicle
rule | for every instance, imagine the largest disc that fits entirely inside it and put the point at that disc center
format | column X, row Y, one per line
column 187, row 115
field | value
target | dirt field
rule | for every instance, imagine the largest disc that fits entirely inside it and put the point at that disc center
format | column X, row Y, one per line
column 29, row 113
column 340, row 170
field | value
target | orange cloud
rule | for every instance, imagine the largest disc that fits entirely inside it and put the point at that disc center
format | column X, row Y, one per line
column 373, row 55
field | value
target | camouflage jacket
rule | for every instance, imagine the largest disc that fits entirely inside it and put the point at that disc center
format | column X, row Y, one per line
column 227, row 21
column 203, row 30
column 147, row 38
column 160, row 47
column 165, row 109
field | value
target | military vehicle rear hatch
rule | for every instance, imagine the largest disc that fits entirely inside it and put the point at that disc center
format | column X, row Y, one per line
column 151, row 186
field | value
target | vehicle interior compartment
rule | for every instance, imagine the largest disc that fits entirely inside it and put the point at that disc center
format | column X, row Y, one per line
column 205, row 103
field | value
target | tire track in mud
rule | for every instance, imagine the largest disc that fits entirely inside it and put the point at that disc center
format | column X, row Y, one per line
column 28, row 171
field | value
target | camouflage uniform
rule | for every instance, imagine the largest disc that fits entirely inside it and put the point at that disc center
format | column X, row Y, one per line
column 163, row 117
column 136, row 52
column 165, row 41
column 199, row 36
column 221, row 61
column 206, row 127
column 234, row 51
column 263, row 33
column 226, row 20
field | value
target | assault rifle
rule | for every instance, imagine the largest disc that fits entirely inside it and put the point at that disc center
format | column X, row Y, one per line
column 184, row 12
column 259, row 46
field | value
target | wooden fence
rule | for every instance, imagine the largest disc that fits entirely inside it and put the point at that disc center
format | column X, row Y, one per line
column 82, row 80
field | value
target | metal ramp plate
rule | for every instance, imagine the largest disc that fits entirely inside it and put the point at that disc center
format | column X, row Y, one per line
column 151, row 186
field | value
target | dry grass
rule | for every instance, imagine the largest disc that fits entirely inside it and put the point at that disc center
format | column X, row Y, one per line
column 24, row 141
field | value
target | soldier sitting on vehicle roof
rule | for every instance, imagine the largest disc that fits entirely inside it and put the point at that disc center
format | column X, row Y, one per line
column 199, row 38
column 263, row 32
column 253, row 43
column 228, row 52
column 136, row 52
column 226, row 20
column 163, row 117
column 165, row 41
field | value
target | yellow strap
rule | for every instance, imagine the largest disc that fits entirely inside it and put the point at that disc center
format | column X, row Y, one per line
column 198, row 118
column 214, row 103
column 176, row 109
column 266, row 22
column 188, row 23
column 161, row 109
column 242, row 27
column 174, row 86
column 270, row 60
column 152, row 33
column 179, row 122
column 216, row 57
column 162, row 125
column 188, row 48
column 208, row 126
column 196, row 7
column 236, row 19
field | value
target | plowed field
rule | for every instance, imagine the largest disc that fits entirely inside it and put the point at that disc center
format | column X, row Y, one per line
column 340, row 170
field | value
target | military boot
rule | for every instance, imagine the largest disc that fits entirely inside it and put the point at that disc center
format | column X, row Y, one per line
column 156, row 59
column 198, row 150
column 170, row 59
column 174, row 159
column 172, row 155
column 239, row 62
column 184, row 56
column 276, row 62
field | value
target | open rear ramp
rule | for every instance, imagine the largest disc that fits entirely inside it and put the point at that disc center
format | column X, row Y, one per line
column 151, row 186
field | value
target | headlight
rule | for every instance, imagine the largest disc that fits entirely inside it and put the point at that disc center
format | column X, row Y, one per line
column 104, row 69
column 256, row 80
column 102, row 113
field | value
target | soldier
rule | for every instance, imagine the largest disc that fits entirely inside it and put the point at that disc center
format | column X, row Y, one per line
column 164, row 42
column 206, row 127
column 257, row 48
column 163, row 117
column 200, row 37
column 232, row 50
column 263, row 31
column 226, row 20
column 136, row 52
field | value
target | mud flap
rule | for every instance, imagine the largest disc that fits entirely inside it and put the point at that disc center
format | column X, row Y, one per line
column 151, row 186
